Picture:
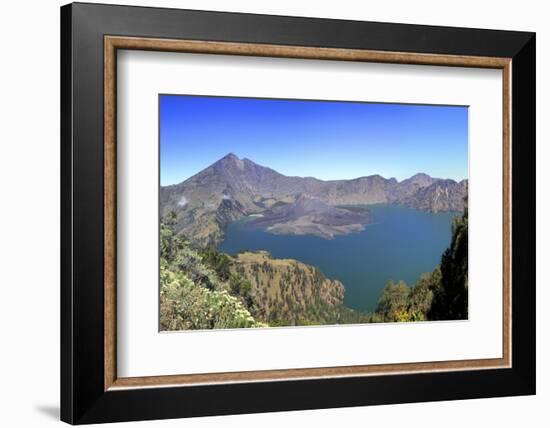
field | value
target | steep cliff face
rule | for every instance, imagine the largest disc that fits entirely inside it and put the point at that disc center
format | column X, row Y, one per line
column 288, row 292
column 232, row 188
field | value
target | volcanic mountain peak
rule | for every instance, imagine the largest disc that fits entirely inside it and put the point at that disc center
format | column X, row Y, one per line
column 230, row 160
column 232, row 187
column 231, row 156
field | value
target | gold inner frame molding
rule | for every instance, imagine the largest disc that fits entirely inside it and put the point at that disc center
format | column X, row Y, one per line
column 113, row 43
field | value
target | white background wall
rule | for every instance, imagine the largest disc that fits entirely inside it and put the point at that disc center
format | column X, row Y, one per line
column 29, row 214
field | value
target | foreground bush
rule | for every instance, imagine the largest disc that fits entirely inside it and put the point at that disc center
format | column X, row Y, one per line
column 185, row 306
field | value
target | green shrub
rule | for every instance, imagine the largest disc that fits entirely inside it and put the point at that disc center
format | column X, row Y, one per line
column 185, row 306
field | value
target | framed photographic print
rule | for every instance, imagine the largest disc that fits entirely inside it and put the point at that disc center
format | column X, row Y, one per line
column 265, row 213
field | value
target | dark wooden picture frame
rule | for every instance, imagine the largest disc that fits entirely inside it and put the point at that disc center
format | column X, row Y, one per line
column 90, row 389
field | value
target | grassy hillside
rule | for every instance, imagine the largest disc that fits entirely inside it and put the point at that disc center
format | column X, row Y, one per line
column 288, row 292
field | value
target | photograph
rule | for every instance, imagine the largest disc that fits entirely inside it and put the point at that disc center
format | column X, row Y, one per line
column 283, row 212
column 267, row 212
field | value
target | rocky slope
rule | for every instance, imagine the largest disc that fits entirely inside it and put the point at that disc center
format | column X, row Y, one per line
column 439, row 196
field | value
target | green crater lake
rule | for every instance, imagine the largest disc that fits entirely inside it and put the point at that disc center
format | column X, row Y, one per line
column 400, row 243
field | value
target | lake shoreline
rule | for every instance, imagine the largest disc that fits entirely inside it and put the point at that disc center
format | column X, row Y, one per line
column 401, row 243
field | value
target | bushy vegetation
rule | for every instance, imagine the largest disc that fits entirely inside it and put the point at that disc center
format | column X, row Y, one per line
column 204, row 288
column 451, row 297
column 193, row 295
column 401, row 303
column 184, row 305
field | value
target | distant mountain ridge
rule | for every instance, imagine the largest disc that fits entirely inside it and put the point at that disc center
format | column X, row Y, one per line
column 233, row 188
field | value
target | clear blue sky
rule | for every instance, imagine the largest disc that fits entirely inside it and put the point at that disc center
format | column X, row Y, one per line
column 324, row 139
